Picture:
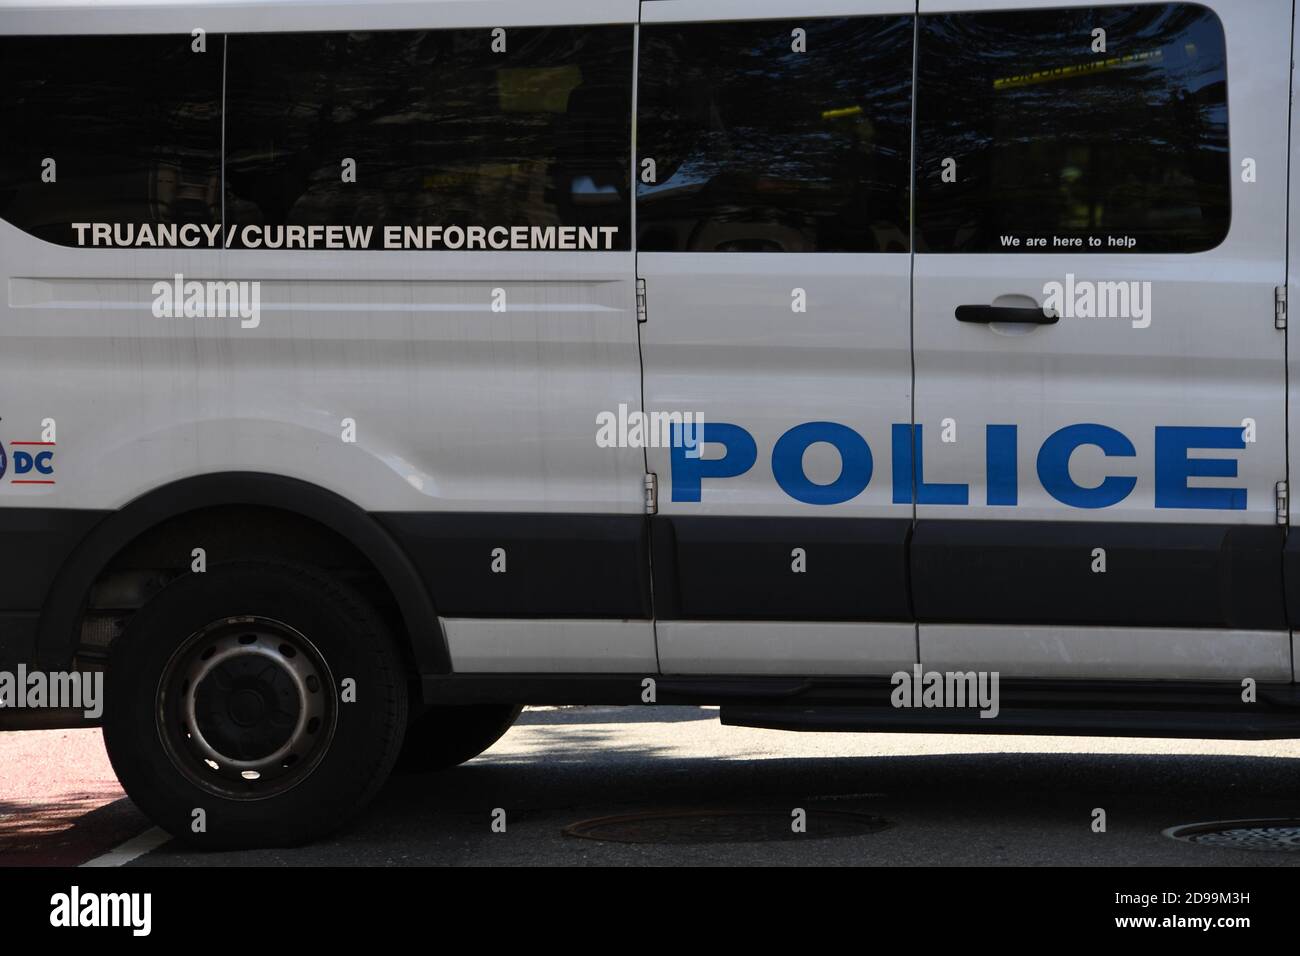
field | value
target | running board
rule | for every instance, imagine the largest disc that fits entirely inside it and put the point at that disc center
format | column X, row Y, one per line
column 1137, row 708
column 1263, row 724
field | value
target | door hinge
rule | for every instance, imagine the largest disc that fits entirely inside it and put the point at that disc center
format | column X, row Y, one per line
column 651, row 493
column 640, row 300
column 1283, row 498
column 1279, row 307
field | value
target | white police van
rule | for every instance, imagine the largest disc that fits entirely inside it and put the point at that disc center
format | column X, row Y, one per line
column 316, row 317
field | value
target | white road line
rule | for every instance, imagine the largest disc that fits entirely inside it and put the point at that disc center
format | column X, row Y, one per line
column 136, row 846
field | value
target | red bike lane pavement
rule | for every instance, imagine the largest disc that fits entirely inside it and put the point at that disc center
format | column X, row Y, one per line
column 60, row 804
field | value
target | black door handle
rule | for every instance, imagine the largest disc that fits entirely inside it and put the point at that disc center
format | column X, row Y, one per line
column 1004, row 313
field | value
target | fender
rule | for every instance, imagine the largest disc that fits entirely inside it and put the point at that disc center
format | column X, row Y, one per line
column 57, row 638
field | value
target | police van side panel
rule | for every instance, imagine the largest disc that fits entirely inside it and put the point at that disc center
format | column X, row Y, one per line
column 450, row 394
column 1095, row 496
column 1108, row 509
column 773, row 242
column 399, row 471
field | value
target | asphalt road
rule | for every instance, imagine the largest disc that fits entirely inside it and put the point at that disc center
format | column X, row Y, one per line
column 946, row 799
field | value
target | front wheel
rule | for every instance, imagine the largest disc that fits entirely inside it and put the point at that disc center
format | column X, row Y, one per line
column 255, row 704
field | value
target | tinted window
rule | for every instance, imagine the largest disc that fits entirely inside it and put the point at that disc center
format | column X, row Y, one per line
column 133, row 124
column 1122, row 150
column 444, row 132
column 758, row 147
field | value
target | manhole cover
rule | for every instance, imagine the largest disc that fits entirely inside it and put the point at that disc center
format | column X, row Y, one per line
column 1275, row 835
column 724, row 826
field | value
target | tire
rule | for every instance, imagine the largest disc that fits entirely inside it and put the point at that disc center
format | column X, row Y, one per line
column 240, row 670
column 443, row 737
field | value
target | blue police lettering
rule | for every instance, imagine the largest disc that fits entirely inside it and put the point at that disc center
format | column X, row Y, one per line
column 855, row 463
column 741, row 453
column 1174, row 466
column 1000, row 475
column 906, row 450
column 1054, row 466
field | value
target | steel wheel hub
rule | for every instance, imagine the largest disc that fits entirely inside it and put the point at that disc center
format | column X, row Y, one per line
column 246, row 707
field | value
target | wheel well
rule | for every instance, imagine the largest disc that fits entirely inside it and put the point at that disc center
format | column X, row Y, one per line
column 165, row 552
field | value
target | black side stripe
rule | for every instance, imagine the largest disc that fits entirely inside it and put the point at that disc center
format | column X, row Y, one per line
column 855, row 569
column 1042, row 572
column 555, row 565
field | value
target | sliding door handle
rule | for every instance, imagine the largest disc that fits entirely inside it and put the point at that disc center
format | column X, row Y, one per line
column 1004, row 313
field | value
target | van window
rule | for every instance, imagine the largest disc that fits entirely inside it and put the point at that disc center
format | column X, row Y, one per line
column 1031, row 137
column 775, row 136
column 441, row 131
column 132, row 125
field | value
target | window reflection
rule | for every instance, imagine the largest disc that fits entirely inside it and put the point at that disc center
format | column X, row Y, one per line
column 759, row 148
column 133, row 124
column 443, row 130
column 1057, row 142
